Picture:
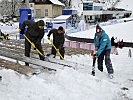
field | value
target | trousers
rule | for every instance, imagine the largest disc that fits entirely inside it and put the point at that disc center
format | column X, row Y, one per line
column 106, row 54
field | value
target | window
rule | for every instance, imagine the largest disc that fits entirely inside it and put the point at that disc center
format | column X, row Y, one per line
column 98, row 8
column 38, row 13
column 37, row 0
column 87, row 6
column 46, row 12
column 31, row 5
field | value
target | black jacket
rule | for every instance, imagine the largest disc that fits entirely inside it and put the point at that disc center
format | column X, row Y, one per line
column 1, row 34
column 34, row 33
column 58, row 39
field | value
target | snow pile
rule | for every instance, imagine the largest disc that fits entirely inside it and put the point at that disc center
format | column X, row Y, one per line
column 70, row 84
column 65, row 84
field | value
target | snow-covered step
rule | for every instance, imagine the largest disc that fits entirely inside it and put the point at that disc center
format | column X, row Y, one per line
column 33, row 61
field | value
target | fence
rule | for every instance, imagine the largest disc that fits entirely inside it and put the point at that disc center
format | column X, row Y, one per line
column 82, row 45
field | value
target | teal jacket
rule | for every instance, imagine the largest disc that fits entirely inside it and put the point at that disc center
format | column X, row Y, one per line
column 102, row 42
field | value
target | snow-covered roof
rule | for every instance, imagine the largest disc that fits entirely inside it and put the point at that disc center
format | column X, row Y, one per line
column 57, row 2
column 62, row 17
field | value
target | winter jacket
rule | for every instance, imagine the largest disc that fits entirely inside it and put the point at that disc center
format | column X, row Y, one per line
column 58, row 39
column 102, row 42
column 2, row 35
column 34, row 33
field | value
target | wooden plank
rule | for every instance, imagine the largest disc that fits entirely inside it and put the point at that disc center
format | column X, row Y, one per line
column 53, row 60
column 33, row 61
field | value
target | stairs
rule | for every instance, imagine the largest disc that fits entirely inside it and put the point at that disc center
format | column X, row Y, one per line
column 14, row 49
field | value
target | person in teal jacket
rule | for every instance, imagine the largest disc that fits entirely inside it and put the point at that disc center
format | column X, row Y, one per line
column 103, row 48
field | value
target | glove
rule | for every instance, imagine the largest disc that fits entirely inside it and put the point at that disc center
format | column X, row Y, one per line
column 48, row 38
column 22, row 31
column 6, row 36
column 96, row 48
column 95, row 56
column 95, row 53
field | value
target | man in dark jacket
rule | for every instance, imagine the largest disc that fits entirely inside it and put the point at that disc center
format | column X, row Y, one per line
column 112, row 41
column 58, row 40
column 1, row 35
column 35, row 32
column 4, row 36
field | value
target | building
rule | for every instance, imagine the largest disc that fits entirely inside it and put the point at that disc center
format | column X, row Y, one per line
column 46, row 8
column 93, row 12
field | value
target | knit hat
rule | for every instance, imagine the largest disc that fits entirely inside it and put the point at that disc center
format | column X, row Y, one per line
column 41, row 23
column 98, row 28
column 60, row 28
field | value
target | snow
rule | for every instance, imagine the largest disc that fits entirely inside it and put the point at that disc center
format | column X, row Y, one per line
column 57, row 2
column 82, row 25
column 77, row 5
column 62, row 17
column 78, row 84
column 70, row 84
column 119, row 30
column 125, row 4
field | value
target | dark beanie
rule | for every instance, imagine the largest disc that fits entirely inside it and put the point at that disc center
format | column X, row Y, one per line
column 60, row 28
column 41, row 23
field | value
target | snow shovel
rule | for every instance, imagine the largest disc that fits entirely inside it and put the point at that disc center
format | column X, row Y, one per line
column 56, row 49
column 32, row 44
column 93, row 66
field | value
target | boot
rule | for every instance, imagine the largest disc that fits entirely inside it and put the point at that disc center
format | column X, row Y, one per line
column 26, row 64
column 111, row 76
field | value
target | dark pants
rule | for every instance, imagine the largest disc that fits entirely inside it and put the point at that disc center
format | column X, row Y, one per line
column 28, row 48
column 61, row 50
column 108, row 63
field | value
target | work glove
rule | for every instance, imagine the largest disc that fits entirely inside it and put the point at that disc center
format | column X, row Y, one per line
column 22, row 31
column 96, row 48
column 48, row 38
column 95, row 55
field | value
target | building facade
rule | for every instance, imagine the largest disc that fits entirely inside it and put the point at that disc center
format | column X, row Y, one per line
column 93, row 12
column 46, row 8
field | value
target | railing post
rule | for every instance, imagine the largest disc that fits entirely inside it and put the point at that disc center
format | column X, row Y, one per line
column 129, row 53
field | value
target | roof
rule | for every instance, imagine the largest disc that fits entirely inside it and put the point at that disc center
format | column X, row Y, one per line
column 62, row 17
column 57, row 2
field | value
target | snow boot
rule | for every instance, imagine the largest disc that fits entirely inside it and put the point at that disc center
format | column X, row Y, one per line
column 26, row 64
column 48, row 54
column 110, row 76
